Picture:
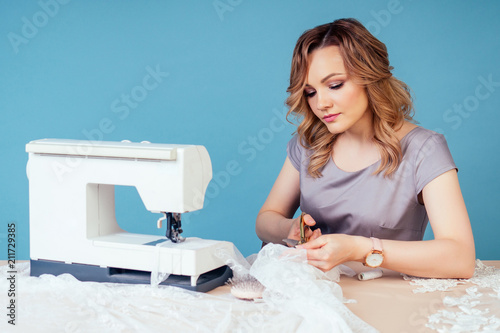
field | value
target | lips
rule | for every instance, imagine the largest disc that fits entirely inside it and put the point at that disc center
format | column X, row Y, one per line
column 330, row 117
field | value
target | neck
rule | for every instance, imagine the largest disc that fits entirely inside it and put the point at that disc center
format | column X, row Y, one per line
column 362, row 132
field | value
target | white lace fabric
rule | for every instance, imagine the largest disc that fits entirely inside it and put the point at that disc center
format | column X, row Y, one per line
column 478, row 310
column 292, row 286
column 298, row 298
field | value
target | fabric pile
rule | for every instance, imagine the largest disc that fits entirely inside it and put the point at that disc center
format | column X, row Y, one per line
column 297, row 298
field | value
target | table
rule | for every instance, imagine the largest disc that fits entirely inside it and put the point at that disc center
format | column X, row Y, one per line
column 387, row 303
column 390, row 305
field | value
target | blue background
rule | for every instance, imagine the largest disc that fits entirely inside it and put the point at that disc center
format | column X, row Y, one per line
column 65, row 69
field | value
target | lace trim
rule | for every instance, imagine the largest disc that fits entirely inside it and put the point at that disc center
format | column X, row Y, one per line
column 429, row 285
column 476, row 311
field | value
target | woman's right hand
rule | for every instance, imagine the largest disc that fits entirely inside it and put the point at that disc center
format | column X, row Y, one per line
column 294, row 232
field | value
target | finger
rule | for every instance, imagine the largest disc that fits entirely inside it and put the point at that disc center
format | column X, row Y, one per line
column 315, row 234
column 294, row 232
column 319, row 258
column 322, row 265
column 309, row 220
column 315, row 255
column 314, row 244
column 318, row 264
column 308, row 232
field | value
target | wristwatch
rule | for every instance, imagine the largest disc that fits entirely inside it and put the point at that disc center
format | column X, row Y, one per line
column 375, row 257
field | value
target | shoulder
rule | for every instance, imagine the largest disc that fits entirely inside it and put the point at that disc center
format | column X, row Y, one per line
column 293, row 143
column 419, row 137
column 296, row 142
column 412, row 133
column 298, row 151
column 428, row 153
column 406, row 128
column 295, row 151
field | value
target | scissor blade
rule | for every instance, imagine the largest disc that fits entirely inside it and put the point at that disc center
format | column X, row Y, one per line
column 291, row 242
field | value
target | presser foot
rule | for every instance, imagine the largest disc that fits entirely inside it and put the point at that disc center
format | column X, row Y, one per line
column 174, row 229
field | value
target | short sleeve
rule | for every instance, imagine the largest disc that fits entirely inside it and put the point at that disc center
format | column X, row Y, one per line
column 433, row 159
column 294, row 151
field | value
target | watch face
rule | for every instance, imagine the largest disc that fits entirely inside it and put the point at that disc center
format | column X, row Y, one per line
column 374, row 259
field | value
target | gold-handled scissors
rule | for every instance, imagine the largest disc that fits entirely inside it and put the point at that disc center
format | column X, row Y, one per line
column 303, row 239
column 302, row 229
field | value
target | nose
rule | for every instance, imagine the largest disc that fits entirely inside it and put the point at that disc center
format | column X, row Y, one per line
column 324, row 102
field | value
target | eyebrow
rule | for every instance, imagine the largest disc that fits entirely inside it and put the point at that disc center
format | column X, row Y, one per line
column 327, row 77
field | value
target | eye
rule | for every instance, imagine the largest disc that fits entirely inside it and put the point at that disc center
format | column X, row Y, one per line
column 309, row 93
column 336, row 86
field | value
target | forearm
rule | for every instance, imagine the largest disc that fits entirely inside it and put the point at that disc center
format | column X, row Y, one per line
column 439, row 258
column 272, row 227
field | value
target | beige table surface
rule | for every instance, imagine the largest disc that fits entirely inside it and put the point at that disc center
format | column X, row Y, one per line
column 388, row 303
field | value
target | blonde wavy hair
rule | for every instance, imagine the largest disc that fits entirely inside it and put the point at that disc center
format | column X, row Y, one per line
column 367, row 63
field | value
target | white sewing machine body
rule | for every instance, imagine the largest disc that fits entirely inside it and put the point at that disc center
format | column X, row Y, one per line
column 73, row 228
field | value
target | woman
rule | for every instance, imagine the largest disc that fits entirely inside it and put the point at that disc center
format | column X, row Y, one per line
column 368, row 178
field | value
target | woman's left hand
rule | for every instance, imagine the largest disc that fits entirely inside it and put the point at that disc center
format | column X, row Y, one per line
column 328, row 251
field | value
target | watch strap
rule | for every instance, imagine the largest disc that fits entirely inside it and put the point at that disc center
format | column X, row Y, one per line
column 377, row 244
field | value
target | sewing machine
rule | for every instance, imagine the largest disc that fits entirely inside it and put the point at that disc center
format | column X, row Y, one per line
column 73, row 228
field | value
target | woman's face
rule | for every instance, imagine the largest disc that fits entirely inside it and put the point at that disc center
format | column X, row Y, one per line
column 334, row 98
